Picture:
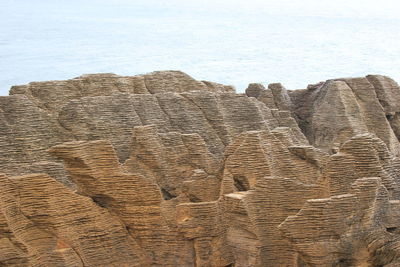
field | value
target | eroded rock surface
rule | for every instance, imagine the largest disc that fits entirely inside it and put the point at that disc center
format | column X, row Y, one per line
column 163, row 170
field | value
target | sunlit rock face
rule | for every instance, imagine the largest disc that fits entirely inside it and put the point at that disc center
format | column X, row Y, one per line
column 163, row 170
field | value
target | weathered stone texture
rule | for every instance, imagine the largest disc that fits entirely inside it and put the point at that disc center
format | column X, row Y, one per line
column 163, row 170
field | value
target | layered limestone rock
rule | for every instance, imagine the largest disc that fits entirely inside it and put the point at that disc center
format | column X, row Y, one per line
column 163, row 170
column 331, row 112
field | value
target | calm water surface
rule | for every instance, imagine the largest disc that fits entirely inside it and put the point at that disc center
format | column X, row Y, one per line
column 50, row 40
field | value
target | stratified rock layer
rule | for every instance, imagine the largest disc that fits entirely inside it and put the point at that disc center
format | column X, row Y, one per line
column 163, row 170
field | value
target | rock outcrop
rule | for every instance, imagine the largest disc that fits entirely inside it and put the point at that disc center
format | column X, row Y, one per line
column 163, row 170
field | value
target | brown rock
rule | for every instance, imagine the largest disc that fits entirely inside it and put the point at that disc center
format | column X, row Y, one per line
column 163, row 170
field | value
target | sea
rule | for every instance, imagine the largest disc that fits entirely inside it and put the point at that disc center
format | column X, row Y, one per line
column 233, row 42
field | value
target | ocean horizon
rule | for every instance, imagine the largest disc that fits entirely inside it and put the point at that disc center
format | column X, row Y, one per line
column 234, row 44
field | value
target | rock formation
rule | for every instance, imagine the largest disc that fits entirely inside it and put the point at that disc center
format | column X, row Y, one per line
column 163, row 170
